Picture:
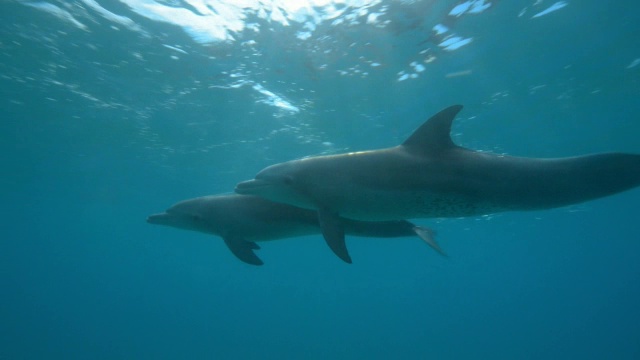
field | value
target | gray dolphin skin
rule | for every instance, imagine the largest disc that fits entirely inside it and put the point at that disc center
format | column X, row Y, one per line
column 429, row 176
column 243, row 220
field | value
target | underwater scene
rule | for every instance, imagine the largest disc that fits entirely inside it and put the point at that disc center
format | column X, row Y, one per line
column 319, row 179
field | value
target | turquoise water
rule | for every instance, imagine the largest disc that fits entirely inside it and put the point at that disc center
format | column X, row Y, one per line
column 114, row 110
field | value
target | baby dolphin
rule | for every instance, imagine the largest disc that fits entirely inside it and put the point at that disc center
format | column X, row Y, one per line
column 429, row 176
column 243, row 220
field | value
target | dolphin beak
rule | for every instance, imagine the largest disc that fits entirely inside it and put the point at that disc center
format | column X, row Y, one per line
column 251, row 186
column 158, row 218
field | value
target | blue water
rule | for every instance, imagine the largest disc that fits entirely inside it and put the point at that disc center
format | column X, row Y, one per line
column 107, row 119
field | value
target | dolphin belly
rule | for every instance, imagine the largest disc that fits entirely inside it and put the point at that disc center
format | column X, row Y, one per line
column 379, row 205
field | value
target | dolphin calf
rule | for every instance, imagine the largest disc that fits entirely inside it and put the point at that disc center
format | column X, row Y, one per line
column 429, row 176
column 242, row 220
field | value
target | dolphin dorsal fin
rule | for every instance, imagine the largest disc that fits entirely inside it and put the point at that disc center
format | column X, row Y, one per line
column 435, row 134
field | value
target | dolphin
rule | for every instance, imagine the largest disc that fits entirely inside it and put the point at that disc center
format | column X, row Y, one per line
column 429, row 176
column 243, row 220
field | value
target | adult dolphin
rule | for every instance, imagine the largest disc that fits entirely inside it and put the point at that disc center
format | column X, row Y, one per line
column 429, row 176
column 243, row 220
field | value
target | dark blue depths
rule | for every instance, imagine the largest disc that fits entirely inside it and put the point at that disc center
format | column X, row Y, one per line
column 93, row 142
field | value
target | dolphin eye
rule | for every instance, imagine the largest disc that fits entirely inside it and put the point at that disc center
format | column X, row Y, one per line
column 196, row 217
column 287, row 180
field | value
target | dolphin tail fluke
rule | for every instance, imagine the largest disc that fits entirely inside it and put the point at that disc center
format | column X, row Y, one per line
column 243, row 250
column 333, row 232
column 429, row 237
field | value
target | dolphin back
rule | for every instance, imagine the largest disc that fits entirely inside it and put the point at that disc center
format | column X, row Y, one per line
column 560, row 182
column 605, row 174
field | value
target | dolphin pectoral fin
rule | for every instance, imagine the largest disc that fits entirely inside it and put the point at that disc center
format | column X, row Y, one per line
column 243, row 250
column 429, row 237
column 333, row 232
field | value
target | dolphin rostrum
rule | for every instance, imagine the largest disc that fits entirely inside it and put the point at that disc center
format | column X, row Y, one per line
column 429, row 176
column 241, row 220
